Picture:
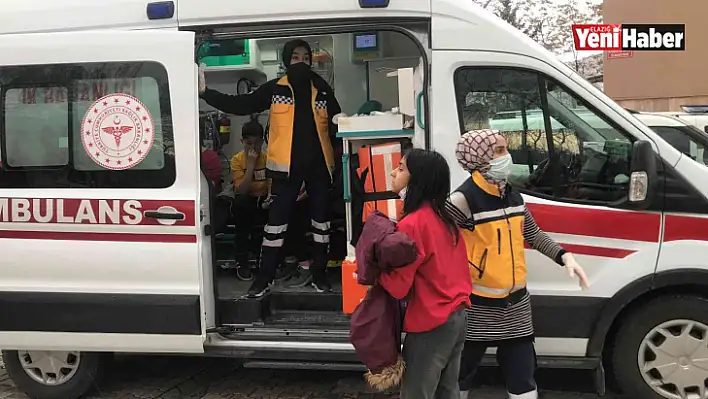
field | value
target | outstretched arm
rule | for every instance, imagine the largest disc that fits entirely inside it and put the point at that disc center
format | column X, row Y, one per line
column 540, row 241
column 244, row 104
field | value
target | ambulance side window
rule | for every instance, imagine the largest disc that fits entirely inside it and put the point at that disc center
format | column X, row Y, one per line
column 89, row 125
column 580, row 157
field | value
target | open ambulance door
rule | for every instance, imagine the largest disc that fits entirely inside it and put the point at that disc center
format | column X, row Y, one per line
column 101, row 213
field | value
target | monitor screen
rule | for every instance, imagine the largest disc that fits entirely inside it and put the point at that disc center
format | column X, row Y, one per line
column 365, row 42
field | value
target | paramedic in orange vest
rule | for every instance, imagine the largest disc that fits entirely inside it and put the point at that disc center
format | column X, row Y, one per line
column 299, row 150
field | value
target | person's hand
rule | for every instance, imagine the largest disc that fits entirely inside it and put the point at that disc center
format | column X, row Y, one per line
column 266, row 203
column 201, row 79
column 252, row 157
column 574, row 269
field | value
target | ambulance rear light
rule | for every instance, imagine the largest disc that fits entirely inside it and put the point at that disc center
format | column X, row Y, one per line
column 161, row 10
column 373, row 3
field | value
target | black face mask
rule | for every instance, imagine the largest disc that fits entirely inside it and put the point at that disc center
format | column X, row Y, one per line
column 299, row 73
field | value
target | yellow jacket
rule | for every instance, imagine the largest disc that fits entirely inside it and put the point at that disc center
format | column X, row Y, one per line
column 277, row 96
column 494, row 238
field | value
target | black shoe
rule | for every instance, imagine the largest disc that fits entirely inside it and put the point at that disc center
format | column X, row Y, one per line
column 286, row 271
column 320, row 282
column 244, row 272
column 260, row 287
column 300, row 278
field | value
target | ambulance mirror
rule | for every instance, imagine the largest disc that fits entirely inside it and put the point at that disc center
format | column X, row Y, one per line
column 643, row 174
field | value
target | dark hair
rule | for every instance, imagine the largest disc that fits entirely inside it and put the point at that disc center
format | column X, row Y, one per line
column 289, row 49
column 429, row 183
column 252, row 128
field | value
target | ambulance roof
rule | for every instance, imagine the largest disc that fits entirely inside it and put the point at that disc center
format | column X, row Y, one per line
column 456, row 24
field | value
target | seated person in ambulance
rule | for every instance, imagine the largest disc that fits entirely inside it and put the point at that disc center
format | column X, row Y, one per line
column 251, row 186
column 299, row 150
column 211, row 164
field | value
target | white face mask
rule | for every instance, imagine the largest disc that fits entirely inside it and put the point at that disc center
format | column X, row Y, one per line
column 500, row 168
column 402, row 193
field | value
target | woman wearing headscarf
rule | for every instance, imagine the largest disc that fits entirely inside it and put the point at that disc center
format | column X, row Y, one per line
column 495, row 223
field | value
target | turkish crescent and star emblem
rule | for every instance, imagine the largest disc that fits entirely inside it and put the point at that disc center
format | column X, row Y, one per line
column 117, row 131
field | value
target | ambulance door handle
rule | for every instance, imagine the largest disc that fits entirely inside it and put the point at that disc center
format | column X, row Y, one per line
column 164, row 215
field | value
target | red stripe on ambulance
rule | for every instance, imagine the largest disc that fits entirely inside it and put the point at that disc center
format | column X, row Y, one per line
column 91, row 211
column 633, row 226
column 85, row 236
column 604, row 252
column 678, row 228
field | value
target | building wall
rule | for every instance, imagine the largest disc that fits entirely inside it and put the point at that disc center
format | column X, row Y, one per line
column 659, row 81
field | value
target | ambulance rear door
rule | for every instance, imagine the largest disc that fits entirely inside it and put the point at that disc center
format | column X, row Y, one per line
column 99, row 193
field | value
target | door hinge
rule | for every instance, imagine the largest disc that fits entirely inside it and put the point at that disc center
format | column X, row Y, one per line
column 207, row 230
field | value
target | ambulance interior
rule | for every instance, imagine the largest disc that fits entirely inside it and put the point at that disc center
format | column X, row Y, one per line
column 364, row 69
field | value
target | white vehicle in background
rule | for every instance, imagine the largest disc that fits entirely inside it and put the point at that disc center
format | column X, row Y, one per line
column 696, row 115
column 684, row 136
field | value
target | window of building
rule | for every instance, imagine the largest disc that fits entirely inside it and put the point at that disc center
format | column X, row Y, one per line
column 561, row 147
column 46, row 111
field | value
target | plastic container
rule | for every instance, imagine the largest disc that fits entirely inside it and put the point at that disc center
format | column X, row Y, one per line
column 352, row 292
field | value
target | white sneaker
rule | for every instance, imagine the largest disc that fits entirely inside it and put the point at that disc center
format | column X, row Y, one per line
column 528, row 395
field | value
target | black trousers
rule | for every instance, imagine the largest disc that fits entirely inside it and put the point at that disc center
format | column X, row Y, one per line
column 516, row 357
column 248, row 215
column 285, row 192
column 296, row 242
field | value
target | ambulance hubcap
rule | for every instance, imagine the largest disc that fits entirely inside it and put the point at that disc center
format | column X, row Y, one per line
column 50, row 367
column 673, row 359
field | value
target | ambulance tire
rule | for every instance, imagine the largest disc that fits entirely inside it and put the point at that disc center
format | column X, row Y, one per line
column 86, row 377
column 637, row 325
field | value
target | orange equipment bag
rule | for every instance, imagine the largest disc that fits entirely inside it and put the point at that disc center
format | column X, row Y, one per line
column 376, row 162
column 352, row 292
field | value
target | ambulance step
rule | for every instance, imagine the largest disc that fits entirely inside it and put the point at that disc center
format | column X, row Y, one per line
column 308, row 319
column 303, row 365
column 242, row 310
column 306, row 300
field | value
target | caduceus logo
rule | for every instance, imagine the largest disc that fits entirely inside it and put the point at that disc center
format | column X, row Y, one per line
column 118, row 131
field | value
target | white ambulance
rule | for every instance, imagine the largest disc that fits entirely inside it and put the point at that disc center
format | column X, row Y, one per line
column 106, row 218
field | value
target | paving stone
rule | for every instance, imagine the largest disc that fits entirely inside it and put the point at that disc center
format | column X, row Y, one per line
column 171, row 377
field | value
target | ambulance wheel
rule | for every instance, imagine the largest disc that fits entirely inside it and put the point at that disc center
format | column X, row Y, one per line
column 53, row 374
column 661, row 349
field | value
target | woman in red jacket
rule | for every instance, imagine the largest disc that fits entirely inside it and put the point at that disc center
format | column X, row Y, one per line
column 436, row 284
